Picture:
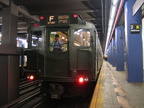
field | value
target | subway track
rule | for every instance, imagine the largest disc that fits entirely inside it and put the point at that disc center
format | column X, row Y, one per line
column 75, row 102
column 28, row 86
column 39, row 101
column 30, row 97
column 28, row 90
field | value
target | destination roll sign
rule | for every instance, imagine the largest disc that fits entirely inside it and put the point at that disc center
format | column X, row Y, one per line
column 135, row 28
column 58, row 19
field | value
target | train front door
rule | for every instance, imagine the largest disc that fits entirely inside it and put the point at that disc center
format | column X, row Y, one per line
column 57, row 53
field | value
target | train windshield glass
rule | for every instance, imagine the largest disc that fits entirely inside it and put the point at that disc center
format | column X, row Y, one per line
column 82, row 37
column 59, row 40
column 36, row 38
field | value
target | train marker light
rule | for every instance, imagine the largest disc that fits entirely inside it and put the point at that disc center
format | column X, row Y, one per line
column 35, row 25
column 75, row 15
column 30, row 77
column 41, row 17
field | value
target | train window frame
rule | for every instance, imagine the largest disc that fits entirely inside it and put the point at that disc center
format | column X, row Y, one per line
column 39, row 39
column 63, row 37
column 77, row 32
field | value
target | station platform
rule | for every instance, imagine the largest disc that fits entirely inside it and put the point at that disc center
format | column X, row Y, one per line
column 113, row 91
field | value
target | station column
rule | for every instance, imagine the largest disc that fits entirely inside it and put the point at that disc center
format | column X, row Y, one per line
column 113, row 53
column 119, row 37
column 133, row 43
column 110, row 53
column 9, row 56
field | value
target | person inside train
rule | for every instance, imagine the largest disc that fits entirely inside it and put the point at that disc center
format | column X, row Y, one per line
column 57, row 44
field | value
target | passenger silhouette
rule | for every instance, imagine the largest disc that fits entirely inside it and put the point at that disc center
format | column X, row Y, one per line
column 57, row 44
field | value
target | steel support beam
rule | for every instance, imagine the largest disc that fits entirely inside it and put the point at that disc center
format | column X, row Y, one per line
column 137, row 5
column 9, row 56
column 23, row 11
column 5, row 2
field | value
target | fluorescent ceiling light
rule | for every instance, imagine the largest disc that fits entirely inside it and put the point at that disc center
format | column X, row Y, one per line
column 113, row 11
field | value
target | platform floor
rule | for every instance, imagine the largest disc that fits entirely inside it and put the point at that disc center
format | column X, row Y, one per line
column 113, row 91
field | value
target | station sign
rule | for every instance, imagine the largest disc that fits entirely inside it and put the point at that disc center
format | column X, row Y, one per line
column 135, row 28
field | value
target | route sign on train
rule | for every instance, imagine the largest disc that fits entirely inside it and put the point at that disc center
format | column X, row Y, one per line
column 64, row 19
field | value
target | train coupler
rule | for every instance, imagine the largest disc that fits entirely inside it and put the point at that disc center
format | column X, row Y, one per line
column 55, row 90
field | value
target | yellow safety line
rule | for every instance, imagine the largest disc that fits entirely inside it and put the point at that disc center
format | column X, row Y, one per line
column 97, row 99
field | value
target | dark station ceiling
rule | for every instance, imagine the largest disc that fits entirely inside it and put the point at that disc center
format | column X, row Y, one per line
column 94, row 11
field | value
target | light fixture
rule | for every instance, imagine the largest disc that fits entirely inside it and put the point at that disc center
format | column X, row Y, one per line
column 113, row 12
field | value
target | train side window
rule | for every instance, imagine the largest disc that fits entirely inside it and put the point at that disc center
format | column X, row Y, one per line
column 63, row 37
column 36, row 38
column 82, row 37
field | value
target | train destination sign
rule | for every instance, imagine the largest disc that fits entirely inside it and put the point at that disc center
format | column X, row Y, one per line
column 58, row 19
column 135, row 28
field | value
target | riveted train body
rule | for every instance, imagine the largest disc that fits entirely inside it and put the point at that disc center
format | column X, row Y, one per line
column 70, row 71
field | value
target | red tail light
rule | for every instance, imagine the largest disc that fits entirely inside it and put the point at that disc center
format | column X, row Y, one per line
column 81, row 79
column 30, row 77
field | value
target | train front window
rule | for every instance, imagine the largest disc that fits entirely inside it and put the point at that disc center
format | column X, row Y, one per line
column 82, row 37
column 59, row 40
column 36, row 38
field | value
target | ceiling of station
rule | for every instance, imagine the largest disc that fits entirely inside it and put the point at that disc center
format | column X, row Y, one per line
column 94, row 11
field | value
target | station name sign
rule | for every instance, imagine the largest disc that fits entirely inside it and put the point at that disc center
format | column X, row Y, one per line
column 135, row 28
column 58, row 19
